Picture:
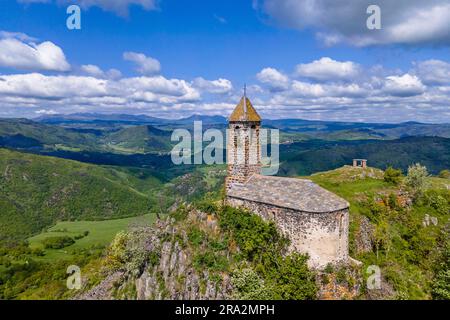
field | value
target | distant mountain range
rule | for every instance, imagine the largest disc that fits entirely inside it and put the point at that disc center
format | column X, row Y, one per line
column 307, row 146
column 125, row 118
column 312, row 128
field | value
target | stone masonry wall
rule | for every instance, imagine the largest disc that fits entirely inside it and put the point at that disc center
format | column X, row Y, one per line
column 324, row 236
column 243, row 152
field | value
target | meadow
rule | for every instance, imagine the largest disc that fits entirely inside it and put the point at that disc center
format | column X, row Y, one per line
column 100, row 234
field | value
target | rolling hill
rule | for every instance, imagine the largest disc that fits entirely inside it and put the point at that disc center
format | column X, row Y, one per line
column 37, row 191
column 334, row 130
column 139, row 139
column 24, row 133
column 303, row 158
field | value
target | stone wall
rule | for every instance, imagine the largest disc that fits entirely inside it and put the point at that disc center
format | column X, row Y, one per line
column 243, row 152
column 324, row 236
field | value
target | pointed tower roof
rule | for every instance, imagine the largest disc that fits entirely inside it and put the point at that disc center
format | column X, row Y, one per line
column 245, row 111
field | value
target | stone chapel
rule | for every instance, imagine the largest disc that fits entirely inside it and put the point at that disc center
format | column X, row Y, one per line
column 316, row 220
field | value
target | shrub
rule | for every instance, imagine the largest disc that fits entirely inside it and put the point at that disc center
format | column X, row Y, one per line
column 57, row 242
column 154, row 258
column 416, row 179
column 444, row 174
column 392, row 175
column 392, row 201
column 196, row 236
column 329, row 268
column 441, row 281
column 254, row 236
column 117, row 253
column 211, row 261
column 206, row 206
column 248, row 285
column 128, row 252
column 180, row 213
column 438, row 200
column 293, row 279
column 341, row 276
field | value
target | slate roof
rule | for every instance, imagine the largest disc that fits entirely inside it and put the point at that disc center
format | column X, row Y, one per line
column 298, row 194
column 244, row 114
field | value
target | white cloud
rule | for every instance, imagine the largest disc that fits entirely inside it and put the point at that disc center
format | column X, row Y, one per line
column 97, row 72
column 113, row 74
column 18, row 52
column 327, row 69
column 273, row 78
column 159, row 88
column 404, row 86
column 59, row 91
column 377, row 95
column 219, row 86
column 46, row 112
column 433, row 72
column 93, row 70
column 118, row 6
column 402, row 21
column 36, row 85
column 305, row 89
column 17, row 35
column 144, row 65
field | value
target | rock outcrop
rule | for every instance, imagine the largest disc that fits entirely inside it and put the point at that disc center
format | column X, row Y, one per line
column 168, row 270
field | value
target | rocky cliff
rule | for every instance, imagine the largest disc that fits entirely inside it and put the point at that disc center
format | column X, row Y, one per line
column 224, row 254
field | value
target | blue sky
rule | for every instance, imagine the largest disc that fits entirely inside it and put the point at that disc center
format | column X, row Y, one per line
column 189, row 57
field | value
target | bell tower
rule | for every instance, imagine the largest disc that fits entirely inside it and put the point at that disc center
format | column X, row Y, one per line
column 243, row 145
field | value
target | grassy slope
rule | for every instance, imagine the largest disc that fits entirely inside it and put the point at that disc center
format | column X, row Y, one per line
column 38, row 191
column 100, row 234
column 25, row 133
column 139, row 139
column 409, row 249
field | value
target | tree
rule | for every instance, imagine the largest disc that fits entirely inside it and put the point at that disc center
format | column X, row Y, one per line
column 444, row 174
column 248, row 285
column 416, row 179
column 293, row 280
column 392, row 175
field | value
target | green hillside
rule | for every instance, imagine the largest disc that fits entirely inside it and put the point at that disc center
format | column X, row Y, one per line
column 37, row 191
column 23, row 133
column 304, row 158
column 140, row 139
column 393, row 230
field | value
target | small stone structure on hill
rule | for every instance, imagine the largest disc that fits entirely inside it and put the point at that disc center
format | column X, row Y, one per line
column 315, row 220
column 360, row 163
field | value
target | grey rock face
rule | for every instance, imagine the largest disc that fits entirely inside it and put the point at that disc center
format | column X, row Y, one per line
column 171, row 275
column 365, row 236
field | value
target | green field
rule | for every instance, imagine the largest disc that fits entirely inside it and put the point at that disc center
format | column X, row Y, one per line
column 100, row 234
